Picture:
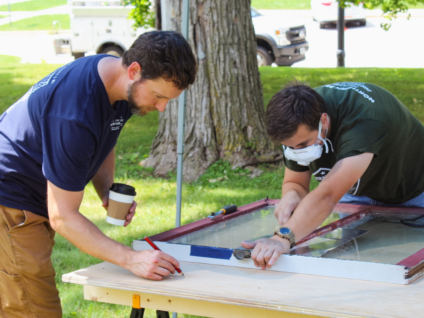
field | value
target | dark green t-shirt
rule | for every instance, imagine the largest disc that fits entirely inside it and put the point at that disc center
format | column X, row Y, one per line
column 367, row 118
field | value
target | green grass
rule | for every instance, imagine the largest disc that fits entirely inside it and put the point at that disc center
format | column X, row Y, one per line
column 156, row 197
column 33, row 5
column 282, row 5
column 41, row 22
column 406, row 84
column 3, row 16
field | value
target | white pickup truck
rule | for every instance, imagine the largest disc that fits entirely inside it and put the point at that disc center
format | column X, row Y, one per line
column 99, row 26
column 278, row 42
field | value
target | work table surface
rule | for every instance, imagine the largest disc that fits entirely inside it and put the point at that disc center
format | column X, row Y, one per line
column 295, row 293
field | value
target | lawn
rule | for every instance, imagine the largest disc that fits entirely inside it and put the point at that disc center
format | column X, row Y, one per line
column 156, row 197
column 282, row 5
column 33, row 5
column 41, row 22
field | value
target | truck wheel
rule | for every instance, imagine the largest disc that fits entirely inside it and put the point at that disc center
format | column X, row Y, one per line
column 113, row 50
column 323, row 25
column 78, row 55
column 263, row 56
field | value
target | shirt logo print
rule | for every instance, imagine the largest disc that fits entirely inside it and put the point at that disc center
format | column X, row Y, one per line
column 117, row 124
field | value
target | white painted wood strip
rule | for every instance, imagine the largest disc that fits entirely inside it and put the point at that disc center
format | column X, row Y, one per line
column 376, row 272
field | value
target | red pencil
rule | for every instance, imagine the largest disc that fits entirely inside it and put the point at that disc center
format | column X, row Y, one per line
column 158, row 249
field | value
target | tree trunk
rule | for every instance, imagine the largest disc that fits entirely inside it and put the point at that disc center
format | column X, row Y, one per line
column 224, row 107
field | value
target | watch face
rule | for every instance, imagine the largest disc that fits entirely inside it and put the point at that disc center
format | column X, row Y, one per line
column 284, row 230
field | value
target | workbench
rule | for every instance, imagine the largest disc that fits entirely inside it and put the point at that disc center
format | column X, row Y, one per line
column 222, row 291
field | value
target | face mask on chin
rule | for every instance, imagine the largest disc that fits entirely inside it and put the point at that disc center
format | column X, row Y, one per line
column 305, row 156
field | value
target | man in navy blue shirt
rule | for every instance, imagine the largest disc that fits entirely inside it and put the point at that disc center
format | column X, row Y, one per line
column 58, row 137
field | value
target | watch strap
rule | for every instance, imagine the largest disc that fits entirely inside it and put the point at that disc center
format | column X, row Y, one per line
column 289, row 236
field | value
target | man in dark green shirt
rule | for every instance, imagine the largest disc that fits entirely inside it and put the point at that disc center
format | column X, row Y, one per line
column 357, row 139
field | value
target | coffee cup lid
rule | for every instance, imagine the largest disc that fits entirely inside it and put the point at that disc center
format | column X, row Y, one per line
column 123, row 189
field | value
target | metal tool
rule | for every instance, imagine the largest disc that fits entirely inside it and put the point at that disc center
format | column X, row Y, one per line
column 242, row 253
column 230, row 208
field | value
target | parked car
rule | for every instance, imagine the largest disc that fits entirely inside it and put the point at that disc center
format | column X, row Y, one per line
column 326, row 13
column 278, row 42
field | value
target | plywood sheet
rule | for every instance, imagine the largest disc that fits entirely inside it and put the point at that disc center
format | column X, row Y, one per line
column 296, row 293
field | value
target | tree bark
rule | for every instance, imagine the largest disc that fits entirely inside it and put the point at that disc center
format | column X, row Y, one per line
column 224, row 107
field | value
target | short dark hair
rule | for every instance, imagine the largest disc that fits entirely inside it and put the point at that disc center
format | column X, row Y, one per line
column 163, row 54
column 294, row 105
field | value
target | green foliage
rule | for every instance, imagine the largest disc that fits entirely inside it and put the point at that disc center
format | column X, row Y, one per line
column 33, row 5
column 142, row 14
column 41, row 22
column 391, row 8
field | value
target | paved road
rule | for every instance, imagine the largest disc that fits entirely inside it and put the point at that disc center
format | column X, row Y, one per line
column 32, row 47
column 19, row 15
column 369, row 46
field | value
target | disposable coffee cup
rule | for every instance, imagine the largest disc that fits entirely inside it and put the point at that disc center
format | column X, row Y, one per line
column 121, row 197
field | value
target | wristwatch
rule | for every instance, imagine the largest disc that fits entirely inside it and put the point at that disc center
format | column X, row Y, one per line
column 286, row 233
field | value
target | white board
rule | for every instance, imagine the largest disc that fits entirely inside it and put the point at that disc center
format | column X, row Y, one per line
column 385, row 273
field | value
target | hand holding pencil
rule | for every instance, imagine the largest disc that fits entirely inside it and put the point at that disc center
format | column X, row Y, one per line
column 151, row 264
column 153, row 245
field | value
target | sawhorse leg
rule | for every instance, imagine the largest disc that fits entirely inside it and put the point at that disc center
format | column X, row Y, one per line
column 138, row 312
column 162, row 314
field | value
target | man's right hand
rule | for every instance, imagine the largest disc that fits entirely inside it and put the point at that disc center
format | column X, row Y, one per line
column 286, row 206
column 151, row 264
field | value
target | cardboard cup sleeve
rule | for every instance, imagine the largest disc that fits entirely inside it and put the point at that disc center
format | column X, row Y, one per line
column 118, row 207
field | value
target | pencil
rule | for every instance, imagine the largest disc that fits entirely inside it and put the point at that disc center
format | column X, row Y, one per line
column 158, row 249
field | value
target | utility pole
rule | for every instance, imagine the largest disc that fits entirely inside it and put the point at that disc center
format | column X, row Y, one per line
column 340, row 30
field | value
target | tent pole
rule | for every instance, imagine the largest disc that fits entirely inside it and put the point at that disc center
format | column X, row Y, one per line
column 181, row 124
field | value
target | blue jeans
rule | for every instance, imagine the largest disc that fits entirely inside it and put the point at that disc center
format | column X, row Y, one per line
column 417, row 202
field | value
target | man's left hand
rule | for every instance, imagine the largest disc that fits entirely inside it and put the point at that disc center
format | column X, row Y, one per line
column 266, row 251
column 131, row 211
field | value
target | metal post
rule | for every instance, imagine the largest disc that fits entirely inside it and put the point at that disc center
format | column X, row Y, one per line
column 340, row 30
column 181, row 118
column 10, row 17
column 181, row 126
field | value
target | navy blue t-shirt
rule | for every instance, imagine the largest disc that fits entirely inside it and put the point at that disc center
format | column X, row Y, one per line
column 61, row 130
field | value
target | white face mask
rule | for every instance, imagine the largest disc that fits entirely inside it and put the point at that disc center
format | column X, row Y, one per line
column 305, row 156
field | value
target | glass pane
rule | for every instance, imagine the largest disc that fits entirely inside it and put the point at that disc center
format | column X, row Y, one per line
column 247, row 227
column 377, row 238
column 387, row 241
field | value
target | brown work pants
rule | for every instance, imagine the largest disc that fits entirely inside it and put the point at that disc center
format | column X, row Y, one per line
column 27, row 277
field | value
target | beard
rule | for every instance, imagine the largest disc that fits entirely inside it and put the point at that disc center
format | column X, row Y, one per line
column 132, row 106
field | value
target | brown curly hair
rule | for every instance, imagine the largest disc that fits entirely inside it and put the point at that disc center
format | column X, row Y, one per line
column 163, row 54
